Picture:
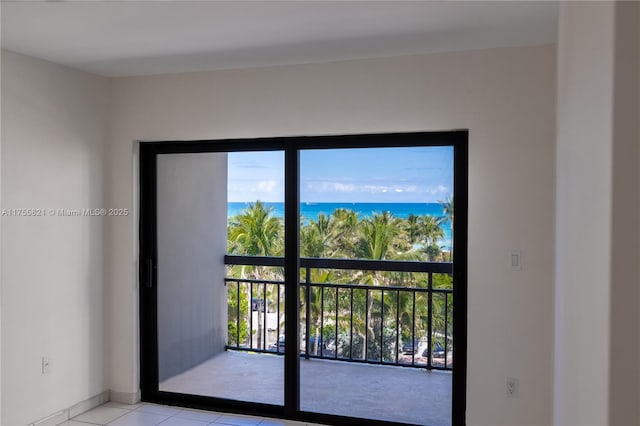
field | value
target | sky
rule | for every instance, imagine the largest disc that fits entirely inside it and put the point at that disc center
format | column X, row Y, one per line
column 363, row 175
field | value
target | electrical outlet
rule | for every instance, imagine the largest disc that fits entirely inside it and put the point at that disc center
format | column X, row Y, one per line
column 46, row 365
column 512, row 387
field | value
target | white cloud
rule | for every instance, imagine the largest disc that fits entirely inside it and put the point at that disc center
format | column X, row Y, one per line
column 328, row 186
column 341, row 187
column 440, row 189
column 373, row 189
column 265, row 186
column 261, row 186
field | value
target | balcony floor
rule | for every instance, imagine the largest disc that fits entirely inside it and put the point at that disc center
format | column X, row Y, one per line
column 400, row 394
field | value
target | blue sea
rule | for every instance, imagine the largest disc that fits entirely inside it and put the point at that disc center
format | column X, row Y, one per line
column 310, row 211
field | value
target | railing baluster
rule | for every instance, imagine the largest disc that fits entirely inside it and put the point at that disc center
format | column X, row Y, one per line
column 381, row 326
column 429, row 322
column 321, row 343
column 351, row 327
column 278, row 320
column 446, row 326
column 265, row 308
column 307, row 331
column 238, row 315
column 397, row 324
column 251, row 316
column 336, row 339
column 366, row 326
column 413, row 331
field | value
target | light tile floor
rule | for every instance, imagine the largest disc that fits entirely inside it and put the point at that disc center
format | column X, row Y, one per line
column 144, row 414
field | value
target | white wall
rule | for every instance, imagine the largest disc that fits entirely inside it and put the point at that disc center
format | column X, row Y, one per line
column 583, row 215
column 0, row 243
column 505, row 97
column 624, row 347
column 598, row 216
column 53, row 127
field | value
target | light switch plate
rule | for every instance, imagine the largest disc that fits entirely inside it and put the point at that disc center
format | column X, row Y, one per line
column 515, row 260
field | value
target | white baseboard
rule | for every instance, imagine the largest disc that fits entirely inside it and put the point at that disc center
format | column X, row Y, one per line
column 89, row 404
column 124, row 397
column 76, row 409
column 52, row 420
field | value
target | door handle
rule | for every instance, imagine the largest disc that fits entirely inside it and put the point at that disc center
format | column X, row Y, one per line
column 149, row 268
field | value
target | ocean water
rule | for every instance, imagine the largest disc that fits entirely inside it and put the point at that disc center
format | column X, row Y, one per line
column 310, row 211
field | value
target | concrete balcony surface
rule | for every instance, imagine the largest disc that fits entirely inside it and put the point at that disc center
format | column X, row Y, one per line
column 390, row 393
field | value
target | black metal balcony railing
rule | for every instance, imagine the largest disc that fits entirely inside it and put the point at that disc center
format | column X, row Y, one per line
column 381, row 324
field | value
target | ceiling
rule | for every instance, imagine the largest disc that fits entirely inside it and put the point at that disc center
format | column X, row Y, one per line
column 121, row 38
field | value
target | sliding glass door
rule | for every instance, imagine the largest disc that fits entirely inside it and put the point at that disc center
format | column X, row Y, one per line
column 205, row 211
column 376, row 245
column 306, row 278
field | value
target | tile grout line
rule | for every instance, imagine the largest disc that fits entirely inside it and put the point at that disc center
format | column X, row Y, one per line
column 102, row 424
column 261, row 421
column 117, row 417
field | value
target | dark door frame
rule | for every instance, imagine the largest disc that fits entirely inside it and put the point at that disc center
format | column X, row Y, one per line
column 291, row 146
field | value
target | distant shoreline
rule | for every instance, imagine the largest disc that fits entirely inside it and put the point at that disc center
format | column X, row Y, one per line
column 311, row 211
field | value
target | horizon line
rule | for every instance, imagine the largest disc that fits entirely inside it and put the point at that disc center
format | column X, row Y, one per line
column 343, row 202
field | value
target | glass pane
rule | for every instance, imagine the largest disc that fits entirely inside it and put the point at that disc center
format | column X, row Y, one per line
column 219, row 325
column 371, row 332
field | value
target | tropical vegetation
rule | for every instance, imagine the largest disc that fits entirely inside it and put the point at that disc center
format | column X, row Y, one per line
column 342, row 320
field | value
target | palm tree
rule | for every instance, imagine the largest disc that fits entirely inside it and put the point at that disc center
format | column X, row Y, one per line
column 412, row 228
column 316, row 238
column 377, row 240
column 447, row 209
column 431, row 232
column 377, row 237
column 430, row 229
column 256, row 232
column 345, row 235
